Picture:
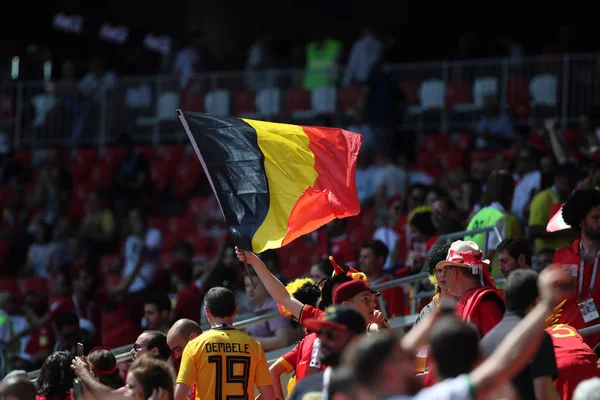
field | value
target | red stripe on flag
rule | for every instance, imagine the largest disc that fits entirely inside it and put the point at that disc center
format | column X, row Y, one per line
column 333, row 194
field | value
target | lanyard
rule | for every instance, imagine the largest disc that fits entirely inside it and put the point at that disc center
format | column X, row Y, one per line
column 594, row 272
column 223, row 326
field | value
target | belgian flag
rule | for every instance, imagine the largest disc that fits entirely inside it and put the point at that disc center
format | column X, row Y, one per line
column 275, row 182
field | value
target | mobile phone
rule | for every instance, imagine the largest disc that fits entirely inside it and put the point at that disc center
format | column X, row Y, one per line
column 79, row 349
column 77, row 390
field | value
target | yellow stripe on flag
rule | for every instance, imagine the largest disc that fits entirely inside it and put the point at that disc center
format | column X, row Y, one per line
column 289, row 166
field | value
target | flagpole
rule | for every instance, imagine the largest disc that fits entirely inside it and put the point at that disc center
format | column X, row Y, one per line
column 249, row 274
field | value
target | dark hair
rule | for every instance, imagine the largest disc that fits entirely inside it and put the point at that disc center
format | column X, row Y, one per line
column 160, row 299
column 579, row 204
column 378, row 248
column 438, row 253
column 500, row 187
column 368, row 355
column 343, row 380
column 515, row 246
column 56, row 376
column 521, row 290
column 309, row 293
column 454, row 346
column 66, row 319
column 448, row 224
column 152, row 374
column 220, row 302
column 104, row 360
column 325, row 267
column 423, row 222
column 327, row 287
column 448, row 201
column 159, row 340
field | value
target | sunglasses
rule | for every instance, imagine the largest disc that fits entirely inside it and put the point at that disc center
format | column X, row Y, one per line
column 328, row 334
column 136, row 347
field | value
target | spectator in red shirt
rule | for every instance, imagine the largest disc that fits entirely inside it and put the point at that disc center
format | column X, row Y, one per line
column 157, row 310
column 469, row 279
column 334, row 241
column 575, row 359
column 372, row 259
column 187, row 302
column 582, row 213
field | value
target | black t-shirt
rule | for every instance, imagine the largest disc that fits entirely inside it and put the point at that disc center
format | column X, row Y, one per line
column 308, row 388
column 542, row 364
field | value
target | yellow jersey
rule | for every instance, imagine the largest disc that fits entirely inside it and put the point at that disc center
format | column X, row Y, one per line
column 225, row 363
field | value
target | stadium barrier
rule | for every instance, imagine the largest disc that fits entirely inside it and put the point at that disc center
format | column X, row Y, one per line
column 123, row 353
column 439, row 96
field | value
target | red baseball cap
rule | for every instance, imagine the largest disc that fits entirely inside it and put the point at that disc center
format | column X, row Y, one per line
column 348, row 290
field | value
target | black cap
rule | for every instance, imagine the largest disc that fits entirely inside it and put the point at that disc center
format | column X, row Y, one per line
column 340, row 318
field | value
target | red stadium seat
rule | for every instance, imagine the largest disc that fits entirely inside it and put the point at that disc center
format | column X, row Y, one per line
column 101, row 176
column 517, row 97
column 33, row 285
column 436, row 142
column 187, row 177
column 410, row 91
column 244, row 103
column 107, row 264
column 192, row 101
column 450, row 160
column 81, row 193
column 171, row 152
column 462, row 140
column 159, row 175
column 350, row 97
column 181, row 226
column 110, row 157
column 458, row 92
column 159, row 223
column 296, row 99
column 85, row 156
column 148, row 151
column 10, row 285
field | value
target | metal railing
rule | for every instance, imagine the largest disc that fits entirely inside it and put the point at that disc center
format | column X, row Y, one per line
column 440, row 96
column 123, row 353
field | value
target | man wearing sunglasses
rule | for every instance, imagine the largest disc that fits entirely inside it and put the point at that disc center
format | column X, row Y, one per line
column 154, row 342
column 340, row 326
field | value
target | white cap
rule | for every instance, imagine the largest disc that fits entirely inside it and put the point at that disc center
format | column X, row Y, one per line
column 588, row 390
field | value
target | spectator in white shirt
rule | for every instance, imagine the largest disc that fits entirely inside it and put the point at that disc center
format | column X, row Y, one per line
column 529, row 182
column 187, row 60
column 365, row 52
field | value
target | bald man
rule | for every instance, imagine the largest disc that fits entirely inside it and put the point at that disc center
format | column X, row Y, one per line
column 17, row 388
column 180, row 334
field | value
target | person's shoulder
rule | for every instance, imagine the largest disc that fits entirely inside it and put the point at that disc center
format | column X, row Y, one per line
column 496, row 335
column 311, row 383
column 542, row 195
column 460, row 387
column 562, row 251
